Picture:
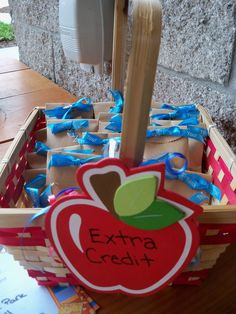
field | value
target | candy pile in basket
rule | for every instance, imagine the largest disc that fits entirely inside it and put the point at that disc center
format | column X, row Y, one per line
column 41, row 166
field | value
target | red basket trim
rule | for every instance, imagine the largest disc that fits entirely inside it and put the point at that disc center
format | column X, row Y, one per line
column 37, row 273
column 211, row 146
column 226, row 233
column 18, row 190
column 47, row 283
column 3, row 202
column 12, row 236
column 222, row 177
column 19, row 242
column 231, row 195
column 214, row 165
column 191, row 277
column 52, row 279
column 225, row 169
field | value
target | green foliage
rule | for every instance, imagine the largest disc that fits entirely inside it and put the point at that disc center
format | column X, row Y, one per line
column 6, row 32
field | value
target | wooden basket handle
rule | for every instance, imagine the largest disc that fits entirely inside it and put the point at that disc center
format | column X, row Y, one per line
column 140, row 79
column 119, row 44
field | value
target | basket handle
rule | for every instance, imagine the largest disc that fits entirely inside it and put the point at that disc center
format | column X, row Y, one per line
column 140, row 79
column 119, row 44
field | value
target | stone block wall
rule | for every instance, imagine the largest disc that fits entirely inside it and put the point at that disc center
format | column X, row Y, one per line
column 197, row 61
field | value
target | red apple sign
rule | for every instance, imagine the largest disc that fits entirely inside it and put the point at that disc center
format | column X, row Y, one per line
column 107, row 254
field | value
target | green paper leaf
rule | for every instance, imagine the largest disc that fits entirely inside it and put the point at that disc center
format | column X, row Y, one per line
column 135, row 196
column 158, row 215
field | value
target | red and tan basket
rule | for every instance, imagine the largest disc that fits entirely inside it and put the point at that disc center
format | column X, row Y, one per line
column 32, row 249
column 28, row 242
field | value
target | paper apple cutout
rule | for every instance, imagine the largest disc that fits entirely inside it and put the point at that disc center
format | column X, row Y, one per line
column 108, row 255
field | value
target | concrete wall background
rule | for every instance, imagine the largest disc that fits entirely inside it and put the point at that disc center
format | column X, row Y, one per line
column 197, row 61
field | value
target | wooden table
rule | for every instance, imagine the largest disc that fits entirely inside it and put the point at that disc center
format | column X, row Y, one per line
column 21, row 89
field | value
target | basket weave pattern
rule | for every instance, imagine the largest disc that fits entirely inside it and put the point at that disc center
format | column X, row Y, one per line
column 30, row 246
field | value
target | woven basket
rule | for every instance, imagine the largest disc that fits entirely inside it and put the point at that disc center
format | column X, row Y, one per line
column 32, row 249
column 28, row 242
